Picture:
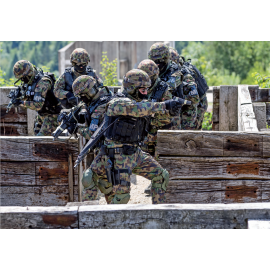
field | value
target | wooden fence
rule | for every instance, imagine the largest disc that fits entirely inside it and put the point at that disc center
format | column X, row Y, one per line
column 38, row 171
column 216, row 167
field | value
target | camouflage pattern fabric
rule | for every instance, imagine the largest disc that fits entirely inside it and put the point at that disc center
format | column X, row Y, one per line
column 159, row 51
column 79, row 56
column 60, row 84
column 84, row 84
column 201, row 109
column 41, row 89
column 48, row 124
column 174, row 56
column 23, row 68
column 151, row 68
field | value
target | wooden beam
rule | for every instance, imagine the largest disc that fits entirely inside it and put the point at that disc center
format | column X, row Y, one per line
column 70, row 178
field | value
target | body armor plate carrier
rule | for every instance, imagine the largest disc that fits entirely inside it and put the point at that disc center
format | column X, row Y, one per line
column 159, row 91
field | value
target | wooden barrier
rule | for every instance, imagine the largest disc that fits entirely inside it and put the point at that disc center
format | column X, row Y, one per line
column 38, row 171
column 216, row 167
column 173, row 216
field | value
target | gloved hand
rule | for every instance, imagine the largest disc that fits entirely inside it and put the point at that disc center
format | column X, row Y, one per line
column 182, row 101
column 173, row 107
column 17, row 102
column 71, row 99
column 72, row 128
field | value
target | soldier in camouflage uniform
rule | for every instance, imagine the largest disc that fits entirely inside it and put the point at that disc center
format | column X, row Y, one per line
column 189, row 112
column 202, row 105
column 95, row 98
column 79, row 59
column 127, row 118
column 39, row 96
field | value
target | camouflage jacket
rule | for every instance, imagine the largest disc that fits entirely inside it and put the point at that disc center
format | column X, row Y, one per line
column 41, row 89
column 96, row 117
column 129, row 107
column 190, row 90
column 60, row 88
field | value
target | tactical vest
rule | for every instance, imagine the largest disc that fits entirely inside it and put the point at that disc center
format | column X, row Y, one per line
column 127, row 129
column 202, row 86
column 70, row 78
column 50, row 105
column 158, row 92
column 167, row 75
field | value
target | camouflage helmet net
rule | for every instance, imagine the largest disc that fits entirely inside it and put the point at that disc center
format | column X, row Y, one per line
column 174, row 55
column 79, row 56
column 159, row 51
column 84, row 85
column 151, row 68
column 135, row 79
column 22, row 69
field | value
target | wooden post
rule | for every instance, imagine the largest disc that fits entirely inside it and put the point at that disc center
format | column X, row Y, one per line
column 259, row 109
column 215, row 115
column 70, row 178
column 228, row 97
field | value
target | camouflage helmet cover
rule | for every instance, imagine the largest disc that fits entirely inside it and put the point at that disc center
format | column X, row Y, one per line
column 135, row 79
column 174, row 55
column 22, row 69
column 84, row 85
column 79, row 56
column 150, row 67
column 159, row 51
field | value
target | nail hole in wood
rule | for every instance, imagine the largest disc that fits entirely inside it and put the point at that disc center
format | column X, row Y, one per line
column 228, row 195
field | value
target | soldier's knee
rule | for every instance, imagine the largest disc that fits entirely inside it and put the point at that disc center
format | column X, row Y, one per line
column 161, row 181
column 120, row 198
column 89, row 194
column 87, row 179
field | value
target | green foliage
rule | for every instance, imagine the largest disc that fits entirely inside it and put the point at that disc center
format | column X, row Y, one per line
column 207, row 121
column 109, row 70
column 262, row 80
column 4, row 82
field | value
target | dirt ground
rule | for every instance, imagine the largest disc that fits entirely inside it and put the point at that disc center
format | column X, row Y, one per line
column 138, row 185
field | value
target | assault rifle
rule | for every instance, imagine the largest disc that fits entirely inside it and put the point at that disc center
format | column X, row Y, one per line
column 14, row 95
column 68, row 119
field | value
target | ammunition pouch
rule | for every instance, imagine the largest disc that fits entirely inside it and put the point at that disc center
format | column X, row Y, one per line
column 87, row 179
column 121, row 198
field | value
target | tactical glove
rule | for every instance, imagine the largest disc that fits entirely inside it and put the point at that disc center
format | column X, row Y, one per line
column 71, row 99
column 173, row 107
column 182, row 101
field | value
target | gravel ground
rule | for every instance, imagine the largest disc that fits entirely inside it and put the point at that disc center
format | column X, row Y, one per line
column 138, row 185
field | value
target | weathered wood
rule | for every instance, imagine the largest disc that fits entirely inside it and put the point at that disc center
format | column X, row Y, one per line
column 228, row 98
column 268, row 112
column 70, row 178
column 39, row 217
column 37, row 148
column 13, row 129
column 217, row 191
column 15, row 115
column 172, row 216
column 215, row 115
column 258, row 224
column 95, row 202
column 259, row 109
column 211, row 143
column 259, row 94
column 216, row 167
column 31, row 115
column 35, row 195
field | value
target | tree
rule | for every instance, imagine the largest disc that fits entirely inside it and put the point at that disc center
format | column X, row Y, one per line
column 109, row 70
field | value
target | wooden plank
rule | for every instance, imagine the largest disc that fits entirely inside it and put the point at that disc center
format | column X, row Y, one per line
column 228, row 117
column 13, row 129
column 258, row 224
column 216, row 167
column 259, row 94
column 37, row 148
column 15, row 115
column 215, row 115
column 39, row 217
column 268, row 112
column 205, row 143
column 259, row 109
column 215, row 126
column 173, row 216
column 70, row 178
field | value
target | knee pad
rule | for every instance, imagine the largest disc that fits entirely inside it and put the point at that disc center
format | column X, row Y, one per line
column 120, row 198
column 161, row 181
column 87, row 179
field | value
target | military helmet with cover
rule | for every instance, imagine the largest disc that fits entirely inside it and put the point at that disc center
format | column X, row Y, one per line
column 85, row 85
column 134, row 80
column 159, row 52
column 151, row 68
column 22, row 69
column 174, row 55
column 79, row 56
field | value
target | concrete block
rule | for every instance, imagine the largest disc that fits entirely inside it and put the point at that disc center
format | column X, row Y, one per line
column 259, row 109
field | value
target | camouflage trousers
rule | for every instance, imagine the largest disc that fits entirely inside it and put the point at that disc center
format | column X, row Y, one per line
column 189, row 117
column 139, row 163
column 201, row 109
column 45, row 125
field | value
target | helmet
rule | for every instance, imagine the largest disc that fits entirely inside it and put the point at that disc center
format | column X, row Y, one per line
column 135, row 79
column 85, row 85
column 151, row 68
column 174, row 55
column 79, row 56
column 159, row 51
column 22, row 69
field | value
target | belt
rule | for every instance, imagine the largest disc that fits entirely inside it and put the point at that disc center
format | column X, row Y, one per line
column 126, row 150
